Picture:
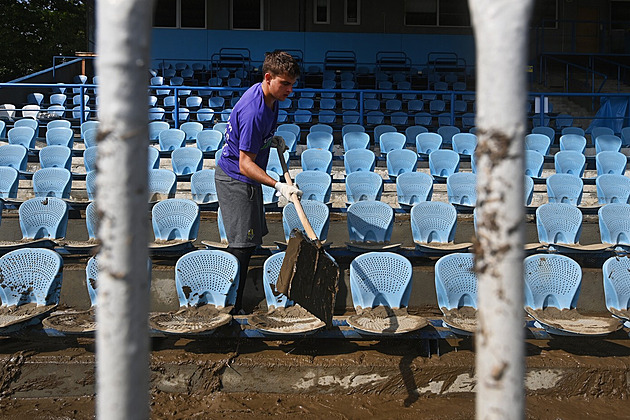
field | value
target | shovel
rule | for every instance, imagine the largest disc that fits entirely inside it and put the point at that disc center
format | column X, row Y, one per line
column 308, row 275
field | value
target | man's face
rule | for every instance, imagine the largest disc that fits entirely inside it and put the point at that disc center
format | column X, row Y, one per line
column 280, row 86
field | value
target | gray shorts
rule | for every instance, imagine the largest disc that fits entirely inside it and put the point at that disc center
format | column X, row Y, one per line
column 242, row 210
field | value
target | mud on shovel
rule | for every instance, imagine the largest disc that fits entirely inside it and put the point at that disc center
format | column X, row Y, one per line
column 308, row 275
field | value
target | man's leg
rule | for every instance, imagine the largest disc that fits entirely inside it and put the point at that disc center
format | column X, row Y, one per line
column 243, row 256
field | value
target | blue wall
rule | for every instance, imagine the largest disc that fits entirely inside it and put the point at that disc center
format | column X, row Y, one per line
column 199, row 45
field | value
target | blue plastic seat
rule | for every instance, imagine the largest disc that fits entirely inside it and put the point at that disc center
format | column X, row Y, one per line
column 52, row 182
column 186, row 160
column 92, row 220
column 43, row 218
column 3, row 129
column 529, row 190
column 202, row 187
column 443, row 162
column 175, row 218
column 62, row 136
column 55, row 157
column 162, row 184
column 58, row 123
column 293, row 128
column 356, row 160
column 423, row 118
column 316, row 160
column 319, row 140
column 269, row 193
column 433, row 222
column 153, row 158
column 447, row 132
column 14, row 156
column 220, row 127
column 191, row 128
column 352, row 128
column 302, row 116
column 612, row 188
column 30, row 275
column 89, row 125
column 205, row 115
column 209, row 140
column 289, row 140
column 570, row 162
column 317, row 213
column 271, row 272
column 538, row 142
column 607, row 142
column 28, row 122
column 551, row 280
column 609, row 162
column 363, row 186
column 370, row 221
column 90, row 185
column 412, row 132
column 573, row 142
column 171, row 139
column 614, row 223
column 428, row 142
column 8, row 182
column 616, row 275
column 461, row 188
column 534, row 162
column 599, row 131
column 315, row 128
column 465, row 143
column 24, row 136
column 380, row 278
column 207, row 277
column 90, row 138
column 558, row 223
column 155, row 128
column 401, row 161
column 273, row 164
column 390, row 141
column 413, row 188
column 625, row 136
column 356, row 140
column 573, row 130
column 565, row 188
column 547, row 131
column 315, row 185
column 456, row 281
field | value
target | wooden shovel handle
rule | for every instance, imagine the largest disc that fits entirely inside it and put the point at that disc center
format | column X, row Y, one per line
column 296, row 201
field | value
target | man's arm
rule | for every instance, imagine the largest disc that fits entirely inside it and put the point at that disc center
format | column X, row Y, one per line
column 249, row 168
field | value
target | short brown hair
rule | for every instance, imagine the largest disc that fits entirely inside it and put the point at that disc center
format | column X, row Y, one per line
column 280, row 62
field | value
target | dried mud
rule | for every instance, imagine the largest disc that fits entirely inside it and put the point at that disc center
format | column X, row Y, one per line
column 292, row 319
column 194, row 319
column 388, row 321
column 572, row 321
column 10, row 315
column 72, row 322
column 464, row 318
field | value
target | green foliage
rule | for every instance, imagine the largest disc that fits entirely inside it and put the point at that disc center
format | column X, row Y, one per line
column 33, row 31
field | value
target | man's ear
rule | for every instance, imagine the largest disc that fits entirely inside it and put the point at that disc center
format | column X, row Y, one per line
column 268, row 77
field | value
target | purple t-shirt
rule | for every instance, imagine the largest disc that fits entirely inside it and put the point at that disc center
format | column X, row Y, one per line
column 250, row 128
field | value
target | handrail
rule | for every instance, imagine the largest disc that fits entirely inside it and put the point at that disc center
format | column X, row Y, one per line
column 592, row 60
column 568, row 64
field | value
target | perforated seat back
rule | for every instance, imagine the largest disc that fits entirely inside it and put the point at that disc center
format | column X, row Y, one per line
column 356, row 140
column 155, row 128
column 370, row 221
column 433, row 221
column 565, row 188
column 186, row 160
column 611, row 163
column 528, row 190
column 538, row 142
column 534, row 162
column 390, row 141
column 43, row 218
column 573, row 142
column 380, row 278
column 616, row 273
column 401, row 161
column 317, row 214
column 570, row 162
column 202, row 186
column 414, row 187
column 30, row 275
column 24, row 136
column 92, row 220
column 558, row 223
column 90, row 138
column 191, row 128
column 163, row 182
column 271, row 271
column 456, row 281
column 443, row 162
column 461, row 188
column 411, row 133
column 175, row 218
column 316, row 160
column 171, row 139
column 8, row 182
column 52, row 182
column 90, row 185
column 209, row 140
column 612, row 189
column 551, row 280
column 465, row 143
column 62, row 136
column 448, row 131
column 273, row 164
column 607, row 142
column 55, row 157
column 289, row 140
column 428, row 142
column 614, row 223
column 315, row 185
column 269, row 193
column 357, row 160
column 361, row 186
column 14, row 156
column 89, row 158
column 207, row 276
column 319, row 140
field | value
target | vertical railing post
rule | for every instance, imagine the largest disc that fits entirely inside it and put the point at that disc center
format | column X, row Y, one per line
column 501, row 35
column 122, row 341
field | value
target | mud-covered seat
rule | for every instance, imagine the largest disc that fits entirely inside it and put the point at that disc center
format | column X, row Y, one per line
column 456, row 289
column 433, row 226
column 52, row 182
column 317, row 213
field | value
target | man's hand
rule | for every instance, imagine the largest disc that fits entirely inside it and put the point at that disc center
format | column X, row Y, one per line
column 278, row 143
column 286, row 190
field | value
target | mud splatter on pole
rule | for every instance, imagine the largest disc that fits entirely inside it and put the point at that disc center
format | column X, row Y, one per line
column 122, row 346
column 501, row 34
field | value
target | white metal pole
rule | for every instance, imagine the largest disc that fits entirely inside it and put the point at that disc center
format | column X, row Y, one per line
column 501, row 34
column 122, row 346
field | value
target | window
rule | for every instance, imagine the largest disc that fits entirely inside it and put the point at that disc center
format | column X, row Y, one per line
column 247, row 14
column 437, row 13
column 180, row 14
column 454, row 13
column 545, row 14
column 322, row 11
column 352, row 12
